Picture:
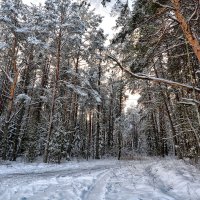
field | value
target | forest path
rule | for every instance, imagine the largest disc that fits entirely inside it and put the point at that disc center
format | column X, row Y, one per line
column 150, row 179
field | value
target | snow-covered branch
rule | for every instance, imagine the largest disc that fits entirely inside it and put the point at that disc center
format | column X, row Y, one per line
column 154, row 79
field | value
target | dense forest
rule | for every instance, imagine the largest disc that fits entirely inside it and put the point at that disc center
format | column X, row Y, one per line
column 62, row 88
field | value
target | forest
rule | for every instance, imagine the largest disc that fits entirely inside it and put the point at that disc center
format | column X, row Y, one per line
column 63, row 87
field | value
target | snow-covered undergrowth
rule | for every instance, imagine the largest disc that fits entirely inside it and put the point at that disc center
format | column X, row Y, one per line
column 150, row 179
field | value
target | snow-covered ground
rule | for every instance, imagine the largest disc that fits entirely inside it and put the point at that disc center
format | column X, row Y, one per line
column 149, row 179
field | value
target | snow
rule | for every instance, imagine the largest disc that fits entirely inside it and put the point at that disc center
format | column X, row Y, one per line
column 3, row 45
column 33, row 40
column 22, row 30
column 96, row 96
column 23, row 97
column 148, row 179
column 77, row 89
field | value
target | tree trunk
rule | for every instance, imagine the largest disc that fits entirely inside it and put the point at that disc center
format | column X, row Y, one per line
column 11, row 99
column 185, row 26
column 110, row 123
column 119, row 116
column 54, row 96
column 97, row 155
column 26, row 81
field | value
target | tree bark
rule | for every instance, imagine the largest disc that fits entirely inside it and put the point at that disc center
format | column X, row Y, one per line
column 50, row 128
column 97, row 155
column 119, row 116
column 11, row 98
column 185, row 26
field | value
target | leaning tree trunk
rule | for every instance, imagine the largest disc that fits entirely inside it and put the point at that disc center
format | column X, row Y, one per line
column 26, row 77
column 13, row 86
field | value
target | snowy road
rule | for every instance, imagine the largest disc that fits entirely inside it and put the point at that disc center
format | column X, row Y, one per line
column 101, row 180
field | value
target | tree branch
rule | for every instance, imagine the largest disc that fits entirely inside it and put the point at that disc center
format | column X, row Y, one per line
column 162, row 5
column 154, row 79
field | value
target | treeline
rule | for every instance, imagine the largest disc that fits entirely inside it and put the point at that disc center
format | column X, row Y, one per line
column 62, row 90
column 158, row 43
column 59, row 97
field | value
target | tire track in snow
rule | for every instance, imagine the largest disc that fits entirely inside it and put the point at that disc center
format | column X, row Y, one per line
column 63, row 172
column 98, row 188
column 165, row 183
column 55, row 178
